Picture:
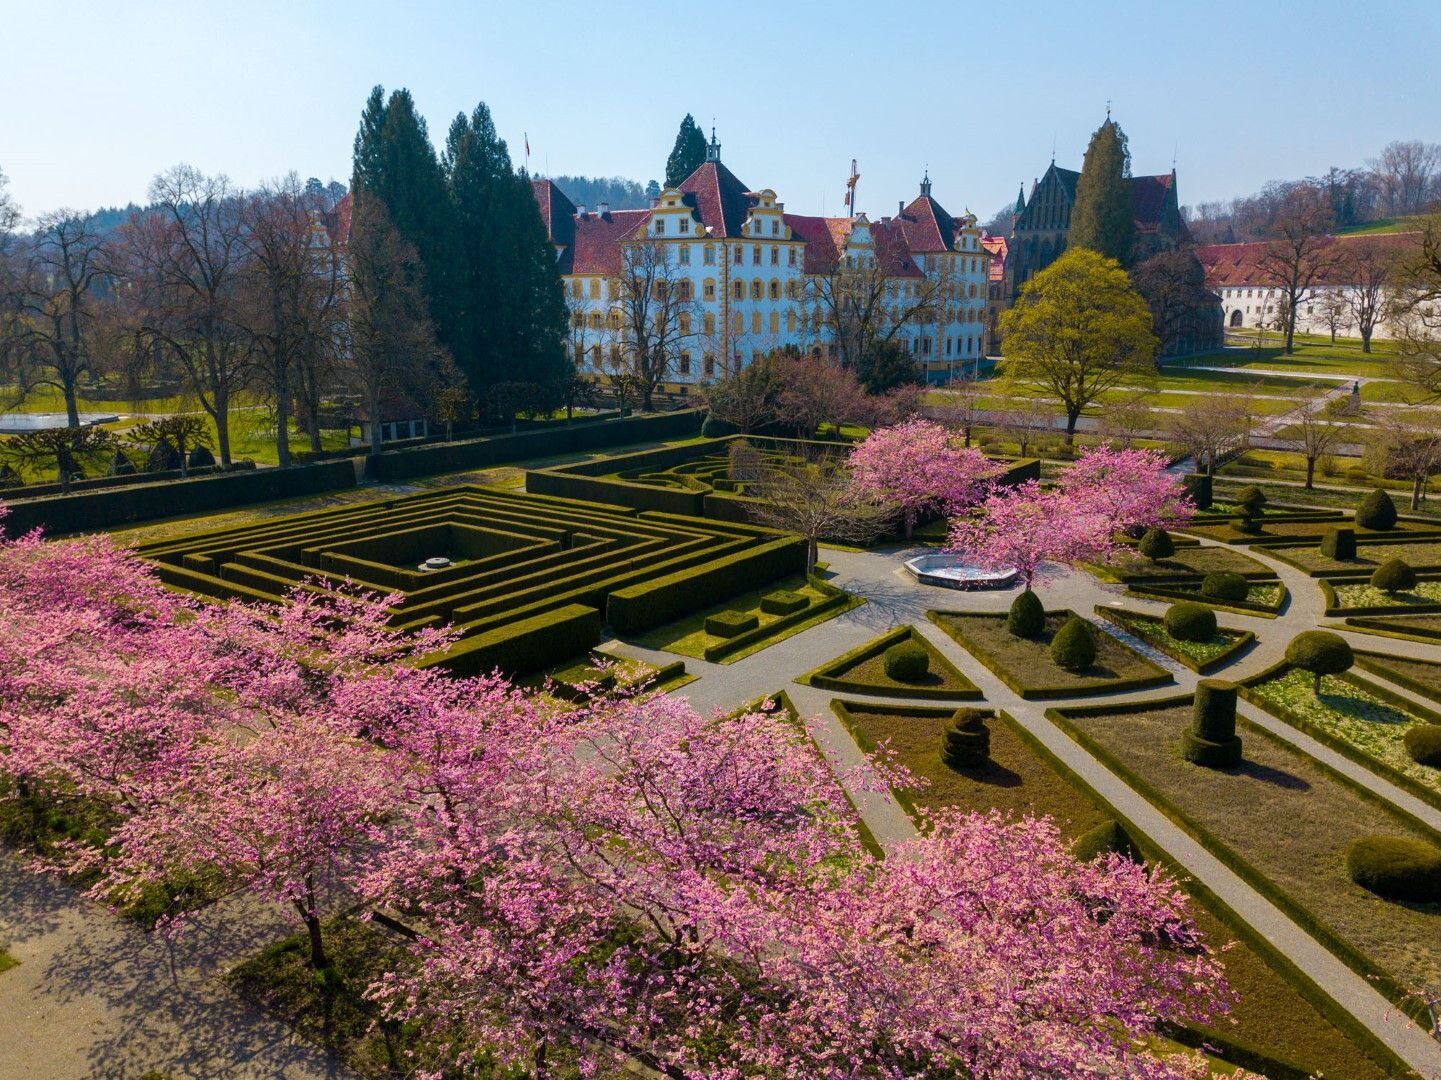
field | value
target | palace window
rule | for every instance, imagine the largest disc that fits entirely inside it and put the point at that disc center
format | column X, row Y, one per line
column 575, row 287
column 709, row 323
column 738, row 289
column 577, row 319
column 684, row 364
column 740, row 255
column 615, row 319
column 595, row 320
column 685, row 254
column 595, row 357
column 579, row 353
column 755, row 254
column 775, row 289
column 685, row 323
column 708, row 255
column 756, row 288
column 737, row 323
column 791, row 258
column 775, row 226
column 775, row 255
column 755, row 322
column 708, row 365
column 708, row 289
column 594, row 289
column 775, row 322
column 791, row 321
column 660, row 226
column 685, row 224
column 683, row 289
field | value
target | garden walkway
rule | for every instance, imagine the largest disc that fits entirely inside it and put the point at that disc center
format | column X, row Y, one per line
column 894, row 598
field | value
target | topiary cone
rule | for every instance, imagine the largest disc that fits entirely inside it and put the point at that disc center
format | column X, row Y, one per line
column 1376, row 511
column 967, row 742
column 1211, row 740
column 1027, row 618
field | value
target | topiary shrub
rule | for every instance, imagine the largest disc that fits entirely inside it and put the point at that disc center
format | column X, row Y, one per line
column 784, row 602
column 201, row 458
column 1394, row 576
column 1251, row 502
column 1107, row 838
column 120, row 465
column 1225, row 586
column 1190, row 622
column 907, row 662
column 1156, row 544
column 1397, row 868
column 1423, row 743
column 1201, row 489
column 1027, row 618
column 1376, row 511
column 1211, row 738
column 1074, row 646
column 1339, row 544
column 1321, row 653
column 728, row 624
column 967, row 742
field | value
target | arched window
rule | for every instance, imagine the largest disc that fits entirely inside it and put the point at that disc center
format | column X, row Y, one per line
column 756, row 288
column 775, row 289
column 615, row 319
column 709, row 323
column 708, row 289
column 683, row 290
column 685, row 322
column 738, row 290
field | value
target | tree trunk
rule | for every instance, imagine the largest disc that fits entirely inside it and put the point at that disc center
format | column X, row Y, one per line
column 1310, row 471
column 813, row 554
column 910, row 523
column 318, row 959
column 222, row 425
column 1416, row 485
column 1365, row 341
column 282, row 421
column 1072, row 416
column 374, row 409
column 72, row 410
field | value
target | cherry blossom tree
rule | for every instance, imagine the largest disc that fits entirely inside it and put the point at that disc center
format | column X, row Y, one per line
column 1129, row 487
column 913, row 467
column 1028, row 528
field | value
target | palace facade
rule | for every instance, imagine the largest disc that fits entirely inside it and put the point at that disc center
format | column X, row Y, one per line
column 755, row 277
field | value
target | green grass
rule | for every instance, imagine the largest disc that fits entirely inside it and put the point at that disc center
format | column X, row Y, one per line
column 1312, row 357
column 687, row 636
column 1419, row 676
column 1324, row 497
column 1186, row 562
column 7, row 961
column 1384, row 225
column 1413, row 627
column 1201, row 656
column 1270, row 1013
column 863, row 670
column 1425, row 554
column 1284, row 822
column 1354, row 596
column 1025, row 664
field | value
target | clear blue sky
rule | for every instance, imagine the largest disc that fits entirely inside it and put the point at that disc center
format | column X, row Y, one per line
column 101, row 95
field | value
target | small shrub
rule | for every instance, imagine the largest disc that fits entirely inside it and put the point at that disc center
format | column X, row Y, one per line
column 1190, row 622
column 907, row 662
column 1074, row 647
column 1107, row 838
column 1376, row 511
column 728, row 624
column 1394, row 576
column 1423, row 743
column 1339, row 544
column 1397, row 868
column 1357, row 475
column 1027, row 618
column 1251, row 502
column 784, row 602
column 1226, row 586
column 200, row 458
column 1156, row 544
column 1321, row 653
column 967, row 742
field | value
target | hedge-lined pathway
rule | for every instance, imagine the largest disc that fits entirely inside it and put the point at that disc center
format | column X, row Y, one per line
column 894, row 598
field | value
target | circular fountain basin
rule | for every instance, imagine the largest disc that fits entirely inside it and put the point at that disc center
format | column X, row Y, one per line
column 437, row 563
column 953, row 572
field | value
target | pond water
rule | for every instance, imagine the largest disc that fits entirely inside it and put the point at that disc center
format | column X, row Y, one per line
column 953, row 572
column 15, row 423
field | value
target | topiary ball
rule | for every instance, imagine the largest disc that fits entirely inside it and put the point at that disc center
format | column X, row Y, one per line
column 1321, row 653
column 907, row 662
column 201, row 458
column 1339, row 544
column 1107, row 838
column 1397, row 868
column 1027, row 618
column 1423, row 743
column 1190, row 622
column 967, row 742
column 1376, row 511
column 1074, row 646
column 1156, row 544
column 1224, row 585
column 1394, row 576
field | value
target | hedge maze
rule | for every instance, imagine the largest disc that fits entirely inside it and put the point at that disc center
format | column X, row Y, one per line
column 530, row 579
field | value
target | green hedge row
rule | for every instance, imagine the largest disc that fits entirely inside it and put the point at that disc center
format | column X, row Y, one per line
column 827, row 677
column 665, row 599
column 835, row 599
column 532, row 644
column 1368, row 661
column 1221, row 659
column 543, row 442
column 1336, row 611
column 1389, row 627
column 94, row 510
column 1240, row 607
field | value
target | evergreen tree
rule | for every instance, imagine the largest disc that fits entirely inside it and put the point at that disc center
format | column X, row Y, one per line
column 512, row 314
column 396, row 164
column 687, row 155
column 1101, row 217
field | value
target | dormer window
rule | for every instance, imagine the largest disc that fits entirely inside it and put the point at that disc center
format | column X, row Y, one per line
column 660, row 226
column 685, row 224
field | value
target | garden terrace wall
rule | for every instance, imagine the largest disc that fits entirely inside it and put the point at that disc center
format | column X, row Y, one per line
column 516, row 558
column 94, row 510
column 100, row 483
column 542, row 442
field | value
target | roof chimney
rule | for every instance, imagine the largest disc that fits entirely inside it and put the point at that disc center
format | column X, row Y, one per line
column 900, row 208
column 602, row 208
column 580, row 210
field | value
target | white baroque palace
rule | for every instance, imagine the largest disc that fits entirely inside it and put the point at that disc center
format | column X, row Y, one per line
column 756, row 277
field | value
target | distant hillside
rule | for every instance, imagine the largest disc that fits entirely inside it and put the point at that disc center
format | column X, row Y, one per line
column 1385, row 225
column 591, row 191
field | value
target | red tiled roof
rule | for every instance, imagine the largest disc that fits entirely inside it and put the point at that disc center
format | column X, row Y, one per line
column 999, row 249
column 722, row 202
column 598, row 237
column 926, row 226
column 825, row 240
column 892, row 250
column 1231, row 265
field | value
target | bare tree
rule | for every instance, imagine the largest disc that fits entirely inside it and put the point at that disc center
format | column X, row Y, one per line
column 9, row 212
column 1406, row 171
column 290, row 291
column 1298, row 254
column 1368, row 270
column 866, row 304
column 181, row 434
column 188, row 257
column 959, row 406
column 1210, row 428
column 814, row 391
column 1409, row 450
column 1415, row 311
column 656, row 307
column 816, row 499
column 746, row 398
column 1335, row 311
column 54, row 304
column 1125, row 420
column 1316, row 431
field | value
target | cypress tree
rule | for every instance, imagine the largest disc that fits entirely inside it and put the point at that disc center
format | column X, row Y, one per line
column 687, row 155
column 1101, row 217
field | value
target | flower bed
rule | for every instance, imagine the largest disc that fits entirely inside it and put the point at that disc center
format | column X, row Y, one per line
column 1411, row 627
column 1421, row 555
column 1419, row 676
column 1200, row 656
column 1262, row 598
column 1362, row 597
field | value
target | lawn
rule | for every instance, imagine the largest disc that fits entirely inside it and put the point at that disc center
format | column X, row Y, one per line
column 1424, row 627
column 1312, row 357
column 863, row 671
column 7, row 961
column 1321, row 497
column 1186, row 562
column 1419, row 676
column 688, row 636
column 1270, row 1012
column 1424, row 554
column 1200, row 656
column 1025, row 664
column 1366, row 595
column 1354, row 715
column 602, row 672
column 1263, row 597
column 1284, row 821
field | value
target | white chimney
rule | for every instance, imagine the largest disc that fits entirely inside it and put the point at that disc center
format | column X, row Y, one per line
column 602, row 208
column 580, row 210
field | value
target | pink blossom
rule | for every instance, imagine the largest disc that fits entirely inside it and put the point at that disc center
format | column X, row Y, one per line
column 1028, row 527
column 914, row 467
column 1130, row 487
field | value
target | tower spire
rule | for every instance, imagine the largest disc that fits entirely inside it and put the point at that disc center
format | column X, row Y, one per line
column 712, row 151
column 926, row 182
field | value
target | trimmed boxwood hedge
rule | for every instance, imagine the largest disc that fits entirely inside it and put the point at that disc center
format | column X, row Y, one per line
column 835, row 599
column 729, row 624
column 784, row 602
column 527, row 645
column 830, row 676
column 1241, row 639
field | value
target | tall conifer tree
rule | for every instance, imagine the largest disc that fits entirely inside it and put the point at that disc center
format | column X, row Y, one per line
column 1101, row 218
column 687, row 155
